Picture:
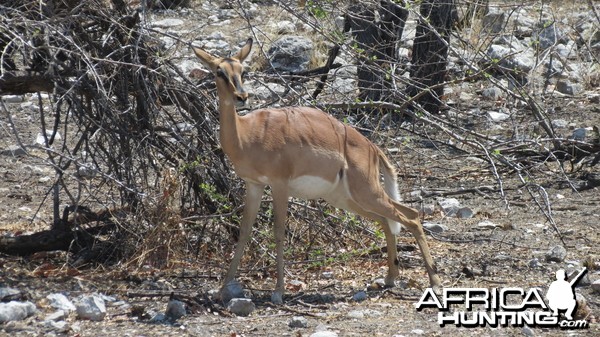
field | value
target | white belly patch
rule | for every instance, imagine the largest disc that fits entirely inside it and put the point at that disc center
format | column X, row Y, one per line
column 311, row 187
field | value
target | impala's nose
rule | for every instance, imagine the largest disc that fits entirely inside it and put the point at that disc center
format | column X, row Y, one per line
column 241, row 99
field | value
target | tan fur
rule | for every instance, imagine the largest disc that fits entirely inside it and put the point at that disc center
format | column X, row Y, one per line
column 277, row 146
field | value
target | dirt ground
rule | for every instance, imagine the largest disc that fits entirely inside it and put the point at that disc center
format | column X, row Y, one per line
column 467, row 253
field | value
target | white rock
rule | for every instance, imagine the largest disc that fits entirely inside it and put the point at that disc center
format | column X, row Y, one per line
column 324, row 334
column 58, row 315
column 9, row 293
column 61, row 302
column 241, row 306
column 298, row 322
column 91, row 307
column 417, row 331
column 596, row 286
column 16, row 311
column 285, row 27
column 434, row 227
column 449, row 205
column 486, row 224
column 12, row 98
column 167, row 23
column 496, row 116
column 39, row 139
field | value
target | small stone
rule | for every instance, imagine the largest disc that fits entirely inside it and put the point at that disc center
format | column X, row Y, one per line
column 324, row 334
column 39, row 139
column 175, row 310
column 559, row 123
column 417, row 331
column 327, row 275
column 434, row 227
column 285, row 27
column 16, row 311
column 13, row 98
column 494, row 21
column 465, row 213
column 298, row 322
column 58, row 315
column 359, row 296
column 356, row 314
column 569, row 88
column 556, row 254
column 450, row 206
column 498, row 116
column 493, row 93
column 233, row 289
column 91, row 307
column 13, row 150
column 486, row 224
column 61, row 302
column 7, row 294
column 527, row 331
column 534, row 263
column 579, row 134
column 167, row 23
column 428, row 209
column 596, row 286
column 241, row 306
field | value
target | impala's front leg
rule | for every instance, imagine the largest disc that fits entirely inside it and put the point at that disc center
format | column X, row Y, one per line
column 280, row 205
column 253, row 197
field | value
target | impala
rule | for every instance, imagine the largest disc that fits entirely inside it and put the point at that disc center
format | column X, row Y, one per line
column 306, row 153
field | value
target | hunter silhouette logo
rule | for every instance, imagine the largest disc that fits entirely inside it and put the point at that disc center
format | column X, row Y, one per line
column 561, row 294
column 479, row 307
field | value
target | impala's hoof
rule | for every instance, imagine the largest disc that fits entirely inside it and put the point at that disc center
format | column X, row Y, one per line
column 277, row 297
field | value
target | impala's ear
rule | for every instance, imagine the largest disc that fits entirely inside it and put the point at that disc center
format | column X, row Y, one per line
column 244, row 52
column 207, row 59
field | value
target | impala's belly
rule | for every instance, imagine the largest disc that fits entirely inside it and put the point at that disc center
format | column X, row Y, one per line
column 311, row 187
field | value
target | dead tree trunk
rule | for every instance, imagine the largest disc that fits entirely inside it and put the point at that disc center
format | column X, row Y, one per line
column 430, row 53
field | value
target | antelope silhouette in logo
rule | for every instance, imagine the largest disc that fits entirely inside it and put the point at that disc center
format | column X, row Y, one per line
column 306, row 153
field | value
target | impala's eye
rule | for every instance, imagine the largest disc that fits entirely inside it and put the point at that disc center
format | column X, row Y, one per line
column 221, row 73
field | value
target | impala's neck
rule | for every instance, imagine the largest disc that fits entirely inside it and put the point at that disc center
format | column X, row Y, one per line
column 228, row 120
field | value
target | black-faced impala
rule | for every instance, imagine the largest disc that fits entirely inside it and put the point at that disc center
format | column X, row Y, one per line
column 304, row 152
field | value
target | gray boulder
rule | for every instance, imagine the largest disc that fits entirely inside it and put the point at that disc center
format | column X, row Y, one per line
column 291, row 53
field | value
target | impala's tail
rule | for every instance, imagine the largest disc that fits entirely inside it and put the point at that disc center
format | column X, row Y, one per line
column 390, row 185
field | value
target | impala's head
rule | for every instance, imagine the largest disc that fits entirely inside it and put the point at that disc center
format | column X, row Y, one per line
column 229, row 71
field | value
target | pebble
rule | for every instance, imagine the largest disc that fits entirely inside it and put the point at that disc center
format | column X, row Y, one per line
column 7, row 293
column 241, row 306
column 16, row 311
column 486, row 224
column 233, row 289
column 465, row 213
column 556, row 254
column 496, row 116
column 434, row 227
column 91, row 307
column 324, row 334
column 13, row 150
column 60, row 302
column 359, row 296
column 298, row 322
column 527, row 331
column 450, row 206
column 175, row 310
column 596, row 286
column 568, row 87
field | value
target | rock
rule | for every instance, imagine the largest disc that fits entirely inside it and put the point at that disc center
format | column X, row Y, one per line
column 521, row 60
column 534, row 263
column 291, row 53
column 527, row 331
column 298, row 322
column 556, row 254
column 434, row 227
column 493, row 93
column 285, row 27
column 39, row 139
column 233, row 289
column 359, row 314
column 568, row 88
column 268, row 91
column 60, row 326
column 579, row 134
column 61, row 302
column 167, row 23
column 324, row 334
column 559, row 123
column 465, row 213
column 12, row 98
column 486, row 224
column 58, row 315
column 359, row 296
column 241, row 306
column 428, row 209
column 494, row 21
column 91, row 307
column 550, row 36
column 498, row 116
column 175, row 310
column 417, row 331
column 450, row 206
column 16, row 311
column 8, row 294
column 596, row 286
column 14, row 151
column 327, row 274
